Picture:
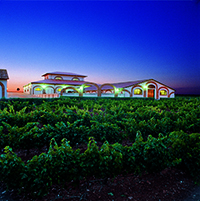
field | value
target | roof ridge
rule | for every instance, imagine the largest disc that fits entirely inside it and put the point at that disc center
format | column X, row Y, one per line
column 63, row 73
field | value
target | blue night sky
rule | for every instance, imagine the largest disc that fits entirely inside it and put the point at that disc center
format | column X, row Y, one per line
column 109, row 41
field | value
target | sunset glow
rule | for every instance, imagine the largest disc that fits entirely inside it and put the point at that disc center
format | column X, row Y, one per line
column 109, row 41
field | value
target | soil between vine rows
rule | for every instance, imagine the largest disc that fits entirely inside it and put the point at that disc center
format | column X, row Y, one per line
column 169, row 185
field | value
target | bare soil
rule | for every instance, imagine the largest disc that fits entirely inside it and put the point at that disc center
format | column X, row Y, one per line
column 169, row 185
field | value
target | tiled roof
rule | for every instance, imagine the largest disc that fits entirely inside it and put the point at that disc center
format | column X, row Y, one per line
column 118, row 85
column 124, row 84
column 64, row 73
column 3, row 74
column 51, row 81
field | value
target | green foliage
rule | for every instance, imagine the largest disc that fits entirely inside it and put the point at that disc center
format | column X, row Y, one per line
column 187, row 147
column 163, row 133
column 63, row 164
column 12, row 169
column 110, row 160
column 38, row 180
column 105, row 119
column 105, row 131
column 90, row 160
column 157, row 155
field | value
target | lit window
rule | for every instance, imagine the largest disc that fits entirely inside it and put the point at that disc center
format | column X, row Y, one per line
column 75, row 79
column 58, row 78
column 163, row 93
column 137, row 92
column 38, row 89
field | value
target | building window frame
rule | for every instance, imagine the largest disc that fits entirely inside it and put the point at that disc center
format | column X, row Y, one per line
column 137, row 91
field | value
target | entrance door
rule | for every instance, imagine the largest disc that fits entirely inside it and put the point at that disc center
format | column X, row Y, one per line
column 151, row 93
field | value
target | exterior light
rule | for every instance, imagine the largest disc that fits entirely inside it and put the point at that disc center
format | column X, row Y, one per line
column 118, row 90
column 43, row 86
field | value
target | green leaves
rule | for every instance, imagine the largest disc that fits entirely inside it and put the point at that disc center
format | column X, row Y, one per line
column 62, row 164
column 110, row 160
column 163, row 133
column 112, row 120
column 12, row 169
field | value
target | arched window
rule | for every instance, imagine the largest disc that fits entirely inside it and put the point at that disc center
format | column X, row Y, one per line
column 75, row 79
column 58, row 78
column 38, row 89
column 151, row 86
column 163, row 92
column 137, row 92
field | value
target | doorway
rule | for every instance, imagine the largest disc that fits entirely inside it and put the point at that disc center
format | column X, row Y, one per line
column 151, row 93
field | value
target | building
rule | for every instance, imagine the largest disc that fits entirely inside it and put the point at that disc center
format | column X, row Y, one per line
column 54, row 82
column 70, row 84
column 3, row 83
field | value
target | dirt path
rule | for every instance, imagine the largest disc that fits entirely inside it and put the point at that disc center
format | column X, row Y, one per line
column 195, row 196
column 5, row 196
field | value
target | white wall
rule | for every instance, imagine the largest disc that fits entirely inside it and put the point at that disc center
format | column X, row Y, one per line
column 107, row 95
column 172, row 95
column 70, row 94
column 155, row 92
column 90, row 95
column 170, row 90
column 49, row 90
column 4, row 82
column 64, row 77
column 36, row 92
column 135, row 96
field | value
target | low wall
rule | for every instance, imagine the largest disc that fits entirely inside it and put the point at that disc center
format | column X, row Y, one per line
column 48, row 95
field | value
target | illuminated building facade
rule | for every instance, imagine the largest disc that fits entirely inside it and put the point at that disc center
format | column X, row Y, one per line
column 55, row 84
column 3, row 83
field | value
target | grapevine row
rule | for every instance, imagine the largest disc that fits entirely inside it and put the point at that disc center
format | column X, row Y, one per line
column 62, row 164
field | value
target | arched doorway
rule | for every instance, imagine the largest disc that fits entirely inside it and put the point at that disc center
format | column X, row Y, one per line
column 49, row 90
column 57, row 90
column 37, row 90
column 67, row 88
column 90, row 83
column 151, row 82
column 128, row 92
column 107, row 84
column 151, row 91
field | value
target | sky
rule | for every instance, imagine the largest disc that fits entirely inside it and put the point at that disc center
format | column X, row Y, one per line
column 109, row 41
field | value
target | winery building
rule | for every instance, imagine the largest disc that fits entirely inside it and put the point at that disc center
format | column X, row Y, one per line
column 55, row 84
column 3, row 83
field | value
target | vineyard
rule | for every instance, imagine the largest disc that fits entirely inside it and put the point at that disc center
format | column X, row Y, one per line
column 95, row 138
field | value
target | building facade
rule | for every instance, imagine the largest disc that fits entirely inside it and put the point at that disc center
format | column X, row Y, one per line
column 3, row 83
column 55, row 84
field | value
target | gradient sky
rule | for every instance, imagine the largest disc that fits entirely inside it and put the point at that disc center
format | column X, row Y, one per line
column 109, row 41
